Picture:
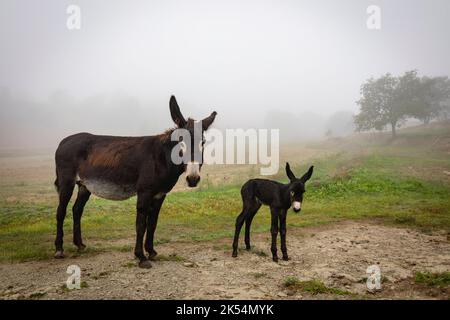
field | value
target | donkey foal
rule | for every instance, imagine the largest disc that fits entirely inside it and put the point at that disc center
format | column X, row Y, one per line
column 279, row 197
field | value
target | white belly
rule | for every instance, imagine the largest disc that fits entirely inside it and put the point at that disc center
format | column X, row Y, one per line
column 108, row 190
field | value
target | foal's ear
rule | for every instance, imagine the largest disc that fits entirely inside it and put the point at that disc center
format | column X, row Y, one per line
column 307, row 175
column 175, row 112
column 208, row 121
column 289, row 173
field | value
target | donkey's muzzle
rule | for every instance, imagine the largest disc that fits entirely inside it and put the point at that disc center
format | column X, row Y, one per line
column 192, row 173
column 192, row 181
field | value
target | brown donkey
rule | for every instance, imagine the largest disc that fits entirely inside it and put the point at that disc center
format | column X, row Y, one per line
column 118, row 168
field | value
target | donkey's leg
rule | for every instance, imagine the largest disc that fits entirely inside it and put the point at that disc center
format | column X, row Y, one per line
column 282, row 218
column 274, row 232
column 152, row 220
column 65, row 190
column 143, row 206
column 239, row 222
column 248, row 223
column 82, row 198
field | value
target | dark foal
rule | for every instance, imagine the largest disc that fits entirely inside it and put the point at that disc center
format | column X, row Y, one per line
column 117, row 168
column 280, row 197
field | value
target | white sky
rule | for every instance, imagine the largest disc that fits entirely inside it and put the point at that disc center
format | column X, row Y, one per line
column 242, row 58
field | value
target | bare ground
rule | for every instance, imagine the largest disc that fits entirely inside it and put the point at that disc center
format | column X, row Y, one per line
column 337, row 254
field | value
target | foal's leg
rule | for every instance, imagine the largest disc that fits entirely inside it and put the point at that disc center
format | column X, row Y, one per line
column 248, row 223
column 82, row 198
column 152, row 220
column 239, row 222
column 143, row 206
column 65, row 190
column 274, row 232
column 283, row 234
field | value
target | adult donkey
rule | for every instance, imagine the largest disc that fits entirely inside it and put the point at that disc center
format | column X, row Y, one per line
column 117, row 168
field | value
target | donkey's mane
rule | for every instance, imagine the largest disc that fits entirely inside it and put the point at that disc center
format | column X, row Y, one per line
column 165, row 136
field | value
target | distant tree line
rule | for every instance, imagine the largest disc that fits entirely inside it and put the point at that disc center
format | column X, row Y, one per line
column 388, row 101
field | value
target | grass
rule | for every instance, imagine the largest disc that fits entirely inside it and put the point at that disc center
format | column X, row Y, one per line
column 259, row 252
column 129, row 264
column 312, row 287
column 170, row 257
column 258, row 275
column 400, row 184
column 37, row 295
column 439, row 280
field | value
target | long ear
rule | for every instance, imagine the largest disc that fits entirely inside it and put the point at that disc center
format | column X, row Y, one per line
column 208, row 120
column 289, row 173
column 307, row 175
column 175, row 112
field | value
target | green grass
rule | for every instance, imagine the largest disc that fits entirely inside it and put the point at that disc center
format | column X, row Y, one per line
column 313, row 287
column 439, row 280
column 170, row 257
column 401, row 185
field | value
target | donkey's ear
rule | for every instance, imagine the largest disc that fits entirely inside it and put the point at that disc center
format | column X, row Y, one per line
column 289, row 173
column 175, row 112
column 307, row 175
column 208, row 120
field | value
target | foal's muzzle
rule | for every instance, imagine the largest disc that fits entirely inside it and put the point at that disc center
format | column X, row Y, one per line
column 192, row 181
column 296, row 206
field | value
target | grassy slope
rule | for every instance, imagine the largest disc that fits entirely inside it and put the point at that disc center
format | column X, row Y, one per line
column 400, row 182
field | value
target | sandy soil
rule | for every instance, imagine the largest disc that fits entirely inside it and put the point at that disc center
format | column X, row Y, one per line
column 337, row 254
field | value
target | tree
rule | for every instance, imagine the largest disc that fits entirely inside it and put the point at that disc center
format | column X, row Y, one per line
column 389, row 101
column 445, row 112
column 433, row 99
column 386, row 101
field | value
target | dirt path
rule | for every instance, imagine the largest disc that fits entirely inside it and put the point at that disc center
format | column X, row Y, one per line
column 336, row 254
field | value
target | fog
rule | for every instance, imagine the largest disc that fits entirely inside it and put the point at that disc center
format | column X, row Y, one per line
column 293, row 65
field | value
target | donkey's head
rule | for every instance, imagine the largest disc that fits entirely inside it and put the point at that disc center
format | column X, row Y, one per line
column 297, row 187
column 191, row 141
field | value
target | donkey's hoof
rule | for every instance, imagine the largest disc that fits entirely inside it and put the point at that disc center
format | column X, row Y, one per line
column 248, row 248
column 275, row 259
column 145, row 264
column 152, row 255
column 234, row 255
column 81, row 247
column 285, row 258
column 59, row 254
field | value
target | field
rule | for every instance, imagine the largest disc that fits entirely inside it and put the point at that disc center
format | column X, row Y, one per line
column 372, row 200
